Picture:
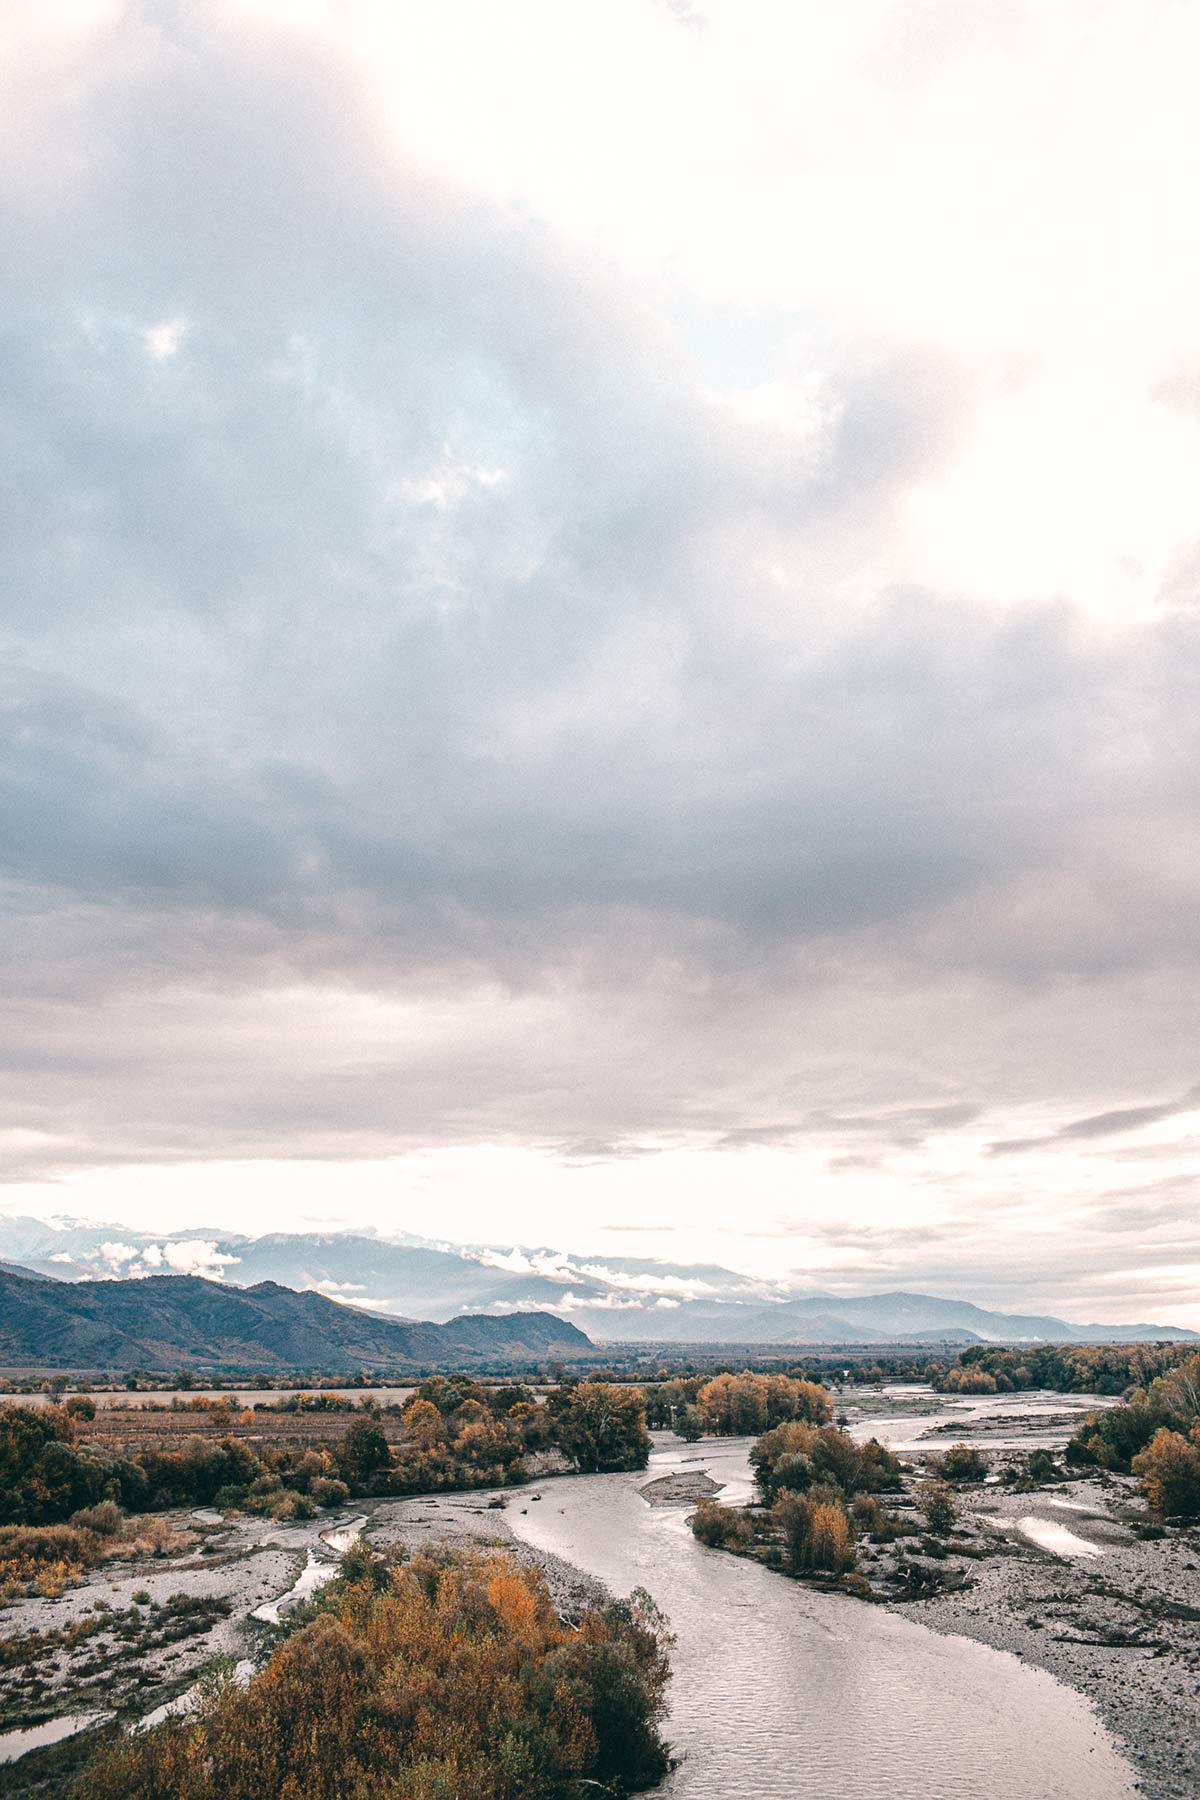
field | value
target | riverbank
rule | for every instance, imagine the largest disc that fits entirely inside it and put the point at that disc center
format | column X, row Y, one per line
column 462, row 1521
column 133, row 1635
column 131, row 1639
column 1074, row 1579
column 1115, row 1616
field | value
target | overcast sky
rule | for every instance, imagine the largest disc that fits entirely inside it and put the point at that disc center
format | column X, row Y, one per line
column 600, row 630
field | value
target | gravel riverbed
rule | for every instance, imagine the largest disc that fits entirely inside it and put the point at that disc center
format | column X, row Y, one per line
column 1121, row 1625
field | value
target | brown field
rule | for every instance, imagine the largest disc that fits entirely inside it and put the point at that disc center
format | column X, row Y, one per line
column 123, row 1398
column 127, row 1431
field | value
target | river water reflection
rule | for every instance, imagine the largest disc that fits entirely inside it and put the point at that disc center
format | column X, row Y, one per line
column 782, row 1693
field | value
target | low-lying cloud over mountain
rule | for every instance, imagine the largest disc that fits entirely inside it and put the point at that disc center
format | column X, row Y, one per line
column 611, row 1299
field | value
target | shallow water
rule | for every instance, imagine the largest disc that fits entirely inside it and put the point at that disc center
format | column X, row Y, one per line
column 1024, row 1421
column 784, row 1693
column 316, row 1572
column 1056, row 1538
column 52, row 1731
column 243, row 1674
column 340, row 1537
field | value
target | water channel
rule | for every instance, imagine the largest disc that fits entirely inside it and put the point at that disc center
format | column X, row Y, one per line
column 784, row 1693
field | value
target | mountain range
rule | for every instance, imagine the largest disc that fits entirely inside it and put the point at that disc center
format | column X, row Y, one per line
column 611, row 1299
column 165, row 1322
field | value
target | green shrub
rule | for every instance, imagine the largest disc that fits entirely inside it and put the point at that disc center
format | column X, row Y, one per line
column 962, row 1462
column 328, row 1492
column 104, row 1519
column 936, row 1501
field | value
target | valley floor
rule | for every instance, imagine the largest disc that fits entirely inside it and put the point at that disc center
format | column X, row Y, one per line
column 1059, row 1577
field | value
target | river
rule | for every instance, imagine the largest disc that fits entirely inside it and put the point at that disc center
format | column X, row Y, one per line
column 1018, row 1422
column 784, row 1693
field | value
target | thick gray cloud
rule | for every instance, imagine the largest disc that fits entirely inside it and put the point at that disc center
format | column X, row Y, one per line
column 390, row 612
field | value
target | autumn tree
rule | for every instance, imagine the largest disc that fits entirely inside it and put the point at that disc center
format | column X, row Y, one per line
column 448, row 1675
column 816, row 1532
column 363, row 1452
column 423, row 1424
column 601, row 1426
column 742, row 1405
column 1169, row 1469
column 797, row 1456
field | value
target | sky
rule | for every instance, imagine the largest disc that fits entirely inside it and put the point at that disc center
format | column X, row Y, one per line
column 600, row 631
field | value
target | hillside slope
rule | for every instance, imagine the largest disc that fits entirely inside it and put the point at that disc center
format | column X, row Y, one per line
column 169, row 1321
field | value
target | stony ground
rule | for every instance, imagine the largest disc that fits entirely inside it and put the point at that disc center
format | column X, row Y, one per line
column 1122, row 1627
column 679, row 1490
column 225, row 1571
column 121, row 1667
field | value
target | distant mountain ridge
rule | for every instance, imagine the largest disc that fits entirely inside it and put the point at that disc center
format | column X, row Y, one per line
column 611, row 1299
column 166, row 1322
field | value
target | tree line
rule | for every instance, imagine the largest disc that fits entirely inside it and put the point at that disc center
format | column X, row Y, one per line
column 1154, row 1435
column 1067, row 1368
column 453, row 1433
column 728, row 1405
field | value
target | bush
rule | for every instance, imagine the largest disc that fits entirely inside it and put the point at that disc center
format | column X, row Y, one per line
column 722, row 1527
column 447, row 1675
column 104, row 1519
column 816, row 1532
column 936, row 1501
column 44, row 1558
column 1169, row 1469
column 1040, row 1468
column 962, row 1463
column 328, row 1492
column 868, row 1512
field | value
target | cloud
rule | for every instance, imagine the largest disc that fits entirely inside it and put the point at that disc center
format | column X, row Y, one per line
column 187, row 1256
column 1106, row 1124
column 559, row 1267
column 194, row 1256
column 114, row 1256
column 466, row 689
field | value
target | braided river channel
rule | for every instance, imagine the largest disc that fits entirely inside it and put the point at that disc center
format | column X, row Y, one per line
column 784, row 1693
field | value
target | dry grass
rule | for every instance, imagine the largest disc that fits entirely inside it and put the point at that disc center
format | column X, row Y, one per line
column 44, row 1559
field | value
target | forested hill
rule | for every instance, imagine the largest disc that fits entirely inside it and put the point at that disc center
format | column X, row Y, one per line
column 164, row 1322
